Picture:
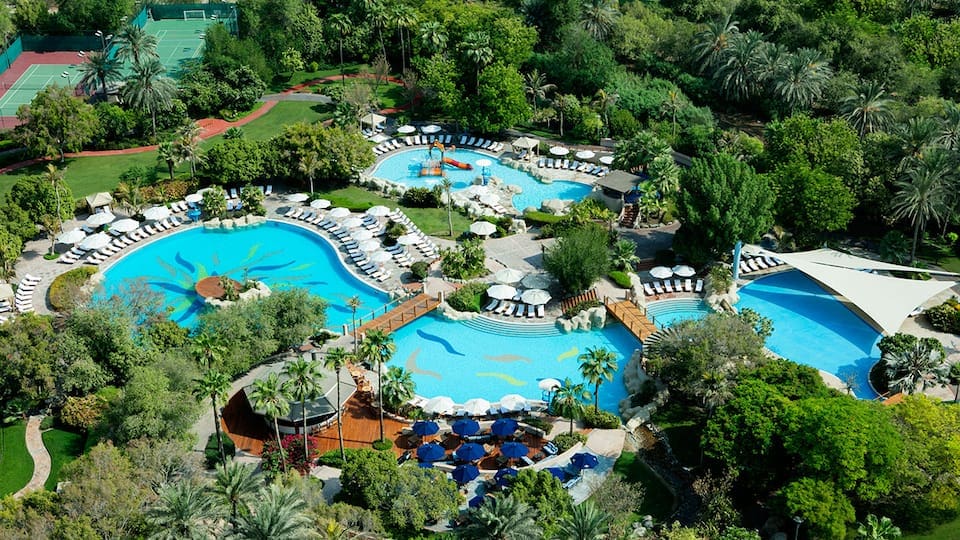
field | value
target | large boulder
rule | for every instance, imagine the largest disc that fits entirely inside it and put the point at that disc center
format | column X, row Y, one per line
column 553, row 206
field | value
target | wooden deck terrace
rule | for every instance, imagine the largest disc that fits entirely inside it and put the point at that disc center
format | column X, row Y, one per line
column 404, row 313
column 630, row 315
column 568, row 303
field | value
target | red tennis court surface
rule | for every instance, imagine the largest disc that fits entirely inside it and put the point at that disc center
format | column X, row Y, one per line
column 20, row 66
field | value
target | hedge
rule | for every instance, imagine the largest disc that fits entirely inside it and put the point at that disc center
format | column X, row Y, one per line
column 945, row 317
column 541, row 218
column 63, row 291
column 600, row 419
column 468, row 297
column 621, row 279
column 565, row 441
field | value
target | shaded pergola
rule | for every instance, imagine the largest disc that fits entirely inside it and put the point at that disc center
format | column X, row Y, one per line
column 373, row 119
column 98, row 200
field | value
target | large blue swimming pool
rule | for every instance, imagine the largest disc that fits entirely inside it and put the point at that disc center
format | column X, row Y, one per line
column 279, row 254
column 404, row 168
column 489, row 359
column 812, row 327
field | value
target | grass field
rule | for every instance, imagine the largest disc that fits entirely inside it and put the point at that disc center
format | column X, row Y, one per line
column 657, row 501
column 15, row 462
column 947, row 531
column 389, row 94
column 432, row 221
column 64, row 447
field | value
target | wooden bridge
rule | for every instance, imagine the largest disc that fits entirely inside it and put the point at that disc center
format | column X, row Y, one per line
column 631, row 316
column 404, row 313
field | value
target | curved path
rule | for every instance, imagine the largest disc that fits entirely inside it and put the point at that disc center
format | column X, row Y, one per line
column 41, row 458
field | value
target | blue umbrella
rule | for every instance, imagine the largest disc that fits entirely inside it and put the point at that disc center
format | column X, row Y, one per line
column 476, row 501
column 423, row 429
column 502, row 473
column 513, row 450
column 465, row 473
column 556, row 472
column 504, row 427
column 431, row 452
column 470, row 452
column 425, row 465
column 584, row 460
column 466, row 427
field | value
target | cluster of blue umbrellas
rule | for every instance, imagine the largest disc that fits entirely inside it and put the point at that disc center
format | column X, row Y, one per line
column 424, row 429
column 504, row 427
column 470, row 452
column 466, row 427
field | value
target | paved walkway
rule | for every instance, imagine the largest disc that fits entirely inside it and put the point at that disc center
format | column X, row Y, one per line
column 41, row 458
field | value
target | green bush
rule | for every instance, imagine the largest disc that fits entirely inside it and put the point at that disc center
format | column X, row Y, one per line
column 420, row 269
column 538, row 423
column 47, row 422
column 383, row 444
column 621, row 279
column 63, row 292
column 212, row 454
column 331, row 458
column 577, row 308
column 421, row 197
column 945, row 318
column 600, row 419
column 469, row 297
column 565, row 441
column 541, row 218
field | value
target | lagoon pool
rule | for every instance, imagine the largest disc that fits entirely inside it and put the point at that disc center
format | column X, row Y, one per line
column 489, row 359
column 812, row 327
column 404, row 168
column 279, row 254
column 665, row 313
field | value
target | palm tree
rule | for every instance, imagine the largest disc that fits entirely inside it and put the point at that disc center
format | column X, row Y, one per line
column 738, row 74
column 771, row 61
column 271, row 396
column 877, row 529
column 98, row 70
column 309, row 164
column 447, row 185
column 585, row 522
column 714, row 389
column 476, row 47
column 604, row 102
column 568, row 401
column 216, row 386
column 303, row 383
column 672, row 106
column 800, row 83
column 502, row 518
column 713, row 40
column 235, row 485
column 377, row 348
column 334, row 360
column 536, row 87
column 599, row 17
column 354, row 303
column 598, row 363
column 377, row 16
column 949, row 136
column 953, row 374
column 624, row 255
column 184, row 510
column 867, row 108
column 563, row 102
column 433, row 36
column 148, row 89
column 341, row 23
column 404, row 17
column 398, row 387
column 279, row 514
column 129, row 196
column 135, row 44
column 922, row 194
column 187, row 145
column 914, row 369
column 207, row 349
column 914, row 137
column 167, row 153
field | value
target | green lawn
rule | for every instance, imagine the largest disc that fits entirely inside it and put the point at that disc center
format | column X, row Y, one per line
column 283, row 113
column 947, row 531
column 15, row 462
column 64, row 447
column 657, row 500
column 388, row 94
column 432, row 221
column 281, row 84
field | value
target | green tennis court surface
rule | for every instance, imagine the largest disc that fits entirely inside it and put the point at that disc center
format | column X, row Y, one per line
column 178, row 41
column 36, row 78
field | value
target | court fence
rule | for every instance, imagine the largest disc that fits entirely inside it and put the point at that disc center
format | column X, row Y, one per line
column 220, row 11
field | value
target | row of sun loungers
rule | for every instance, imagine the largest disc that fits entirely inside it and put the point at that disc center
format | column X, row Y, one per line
column 119, row 243
column 753, row 264
column 667, row 286
column 23, row 300
column 584, row 167
column 425, row 140
column 493, row 146
column 352, row 246
column 510, row 308
column 426, row 246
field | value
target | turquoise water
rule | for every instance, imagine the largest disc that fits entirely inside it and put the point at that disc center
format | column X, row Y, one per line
column 812, row 327
column 489, row 359
column 278, row 254
column 665, row 313
column 404, row 168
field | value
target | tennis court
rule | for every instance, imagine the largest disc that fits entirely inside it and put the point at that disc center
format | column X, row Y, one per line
column 35, row 78
column 178, row 41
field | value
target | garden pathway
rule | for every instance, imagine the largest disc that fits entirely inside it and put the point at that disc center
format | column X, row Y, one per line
column 41, row 458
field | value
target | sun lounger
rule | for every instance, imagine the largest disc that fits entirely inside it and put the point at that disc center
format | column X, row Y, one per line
column 463, row 140
column 667, row 286
column 150, row 230
column 687, row 285
column 752, row 263
column 699, row 286
column 771, row 262
column 541, row 162
column 677, row 286
column 505, row 307
column 289, row 213
column 648, row 290
column 540, row 311
column 531, row 311
column 520, row 311
column 447, row 139
column 744, row 267
column 658, row 287
column 471, row 141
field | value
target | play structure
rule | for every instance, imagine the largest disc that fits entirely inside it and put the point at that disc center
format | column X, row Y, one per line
column 434, row 167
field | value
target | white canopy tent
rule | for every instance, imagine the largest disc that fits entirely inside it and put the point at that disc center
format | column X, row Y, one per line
column 832, row 257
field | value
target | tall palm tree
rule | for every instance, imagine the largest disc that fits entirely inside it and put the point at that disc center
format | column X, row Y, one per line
column 599, row 17
column 130, row 197
column 279, row 514
column 771, row 61
column 712, row 42
column 167, row 153
column 949, row 134
column 536, row 87
column 184, row 511
column 271, row 396
column 568, row 401
column 434, row 36
column 97, row 71
column 915, row 137
column 878, row 529
column 334, row 360
column 476, row 47
column 917, row 368
column 342, row 24
column 187, row 145
column 598, row 364
column 739, row 71
column 714, row 389
column 585, row 522
column 216, row 386
column 377, row 16
column 562, row 102
column 235, row 485
column 207, row 349
column 398, row 387
column 672, row 106
column 303, row 383
column 800, row 83
column 502, row 518
column 604, row 102
column 404, row 17
column 309, row 164
column 867, row 108
column 921, row 195
column 447, row 185
column 148, row 89
column 354, row 304
column 135, row 44
column 377, row 348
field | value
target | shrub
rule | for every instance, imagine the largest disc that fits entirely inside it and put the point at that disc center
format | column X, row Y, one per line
column 292, row 451
column 621, row 279
column 541, row 218
column 565, row 441
column 469, row 297
column 896, row 343
column 944, row 318
column 313, row 66
column 46, row 423
column 420, row 269
column 420, row 197
column 577, row 308
column 212, row 454
column 538, row 423
column 331, row 458
column 64, row 292
column 598, row 418
column 83, row 412
column 383, row 444
column 395, row 230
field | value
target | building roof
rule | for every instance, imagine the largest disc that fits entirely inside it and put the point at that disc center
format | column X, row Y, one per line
column 323, row 405
column 619, row 181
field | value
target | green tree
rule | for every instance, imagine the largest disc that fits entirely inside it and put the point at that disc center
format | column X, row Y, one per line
column 811, row 202
column 867, row 108
column 711, row 43
column 291, row 61
column 149, row 90
column 398, row 387
column 303, row 384
column 822, row 507
column 502, row 518
column 98, row 70
column 568, row 401
column 801, row 81
column 738, row 74
column 585, row 522
column 721, row 200
column 377, row 348
column 599, row 17
column 187, row 146
column 134, row 43
column 832, row 146
column 341, row 24
column 56, row 122
column 596, row 365
column 433, row 36
column 499, row 103
column 279, row 513
column 185, row 510
column 640, row 151
column 308, row 165
column 875, row 528
column 214, row 203
column 334, row 360
column 43, row 195
column 916, row 368
column 624, row 255
column 543, row 492
column 447, row 185
column 216, row 386
column 272, row 397
column 207, row 350
column 152, row 405
column 235, row 485
column 234, row 161
column 536, row 87
column 922, row 193
column 477, row 50
column 167, row 153
column 11, row 246
column 579, row 257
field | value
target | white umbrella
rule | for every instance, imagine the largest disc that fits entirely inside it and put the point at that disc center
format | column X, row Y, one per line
column 156, row 213
column 361, row 234
column 102, row 218
column 525, row 142
column 535, row 297
column 406, row 129
column 683, row 270
column 352, row 223
column 432, row 128
column 297, row 197
column 483, row 228
column 484, row 162
column 380, row 256
column 585, row 154
column 72, row 236
column 339, row 213
column 409, row 239
column 476, row 407
column 508, row 276
column 379, row 138
column 549, row 384
column 438, row 405
column 559, row 150
column 536, row 281
column 378, row 211
column 95, row 241
column 501, row 292
column 606, row 160
column 513, row 403
column 489, row 199
column 320, row 204
column 661, row 272
column 194, row 198
column 370, row 245
column 124, row 225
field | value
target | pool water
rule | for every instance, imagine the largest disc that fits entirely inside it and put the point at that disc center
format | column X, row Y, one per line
column 278, row 254
column 666, row 313
column 812, row 327
column 404, row 168
column 488, row 359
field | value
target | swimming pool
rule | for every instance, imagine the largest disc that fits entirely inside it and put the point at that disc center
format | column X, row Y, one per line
column 812, row 327
column 665, row 313
column 278, row 254
column 488, row 359
column 404, row 167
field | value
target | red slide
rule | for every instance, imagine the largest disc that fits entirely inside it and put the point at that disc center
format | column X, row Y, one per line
column 457, row 164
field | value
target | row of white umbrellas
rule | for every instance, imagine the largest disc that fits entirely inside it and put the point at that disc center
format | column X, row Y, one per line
column 664, row 272
column 534, row 297
column 428, row 129
column 476, row 406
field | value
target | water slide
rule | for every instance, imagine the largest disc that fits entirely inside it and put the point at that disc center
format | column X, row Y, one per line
column 457, row 164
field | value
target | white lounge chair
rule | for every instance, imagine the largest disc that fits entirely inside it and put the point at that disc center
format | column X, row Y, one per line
column 540, row 311
column 687, row 285
column 648, row 290
column 699, row 287
column 658, row 287
column 269, row 190
column 677, row 286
